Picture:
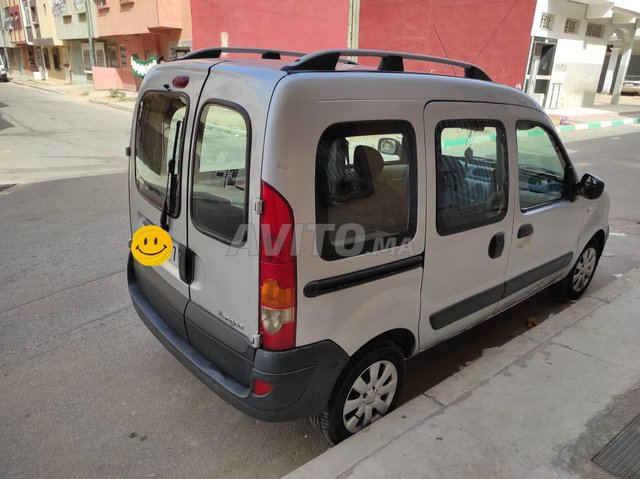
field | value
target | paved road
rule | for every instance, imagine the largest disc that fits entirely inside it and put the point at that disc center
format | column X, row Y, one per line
column 85, row 389
column 43, row 137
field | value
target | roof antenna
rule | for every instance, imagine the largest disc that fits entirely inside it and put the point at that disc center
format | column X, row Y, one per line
column 443, row 48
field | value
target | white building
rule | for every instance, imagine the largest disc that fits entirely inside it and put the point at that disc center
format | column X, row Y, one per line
column 580, row 47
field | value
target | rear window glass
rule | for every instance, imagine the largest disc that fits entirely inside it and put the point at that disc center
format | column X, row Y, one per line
column 365, row 188
column 220, row 173
column 160, row 126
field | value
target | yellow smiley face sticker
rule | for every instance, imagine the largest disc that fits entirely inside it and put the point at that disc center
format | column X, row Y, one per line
column 151, row 245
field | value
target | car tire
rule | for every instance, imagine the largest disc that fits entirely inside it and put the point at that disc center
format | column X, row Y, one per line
column 368, row 397
column 579, row 278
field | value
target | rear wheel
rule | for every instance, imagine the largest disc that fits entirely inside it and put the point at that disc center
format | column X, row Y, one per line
column 580, row 276
column 366, row 391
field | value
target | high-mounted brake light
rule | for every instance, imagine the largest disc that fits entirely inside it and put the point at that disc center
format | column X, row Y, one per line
column 277, row 322
column 180, row 81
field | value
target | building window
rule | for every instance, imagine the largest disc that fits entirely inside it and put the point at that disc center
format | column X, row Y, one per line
column 102, row 4
column 123, row 56
column 55, row 52
column 113, row 56
column 82, row 17
column 571, row 25
column 66, row 19
column 25, row 12
column 546, row 21
column 595, row 30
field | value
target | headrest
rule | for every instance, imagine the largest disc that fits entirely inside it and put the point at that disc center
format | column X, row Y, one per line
column 370, row 156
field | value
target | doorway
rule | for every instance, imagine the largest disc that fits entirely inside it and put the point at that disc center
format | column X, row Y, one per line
column 538, row 76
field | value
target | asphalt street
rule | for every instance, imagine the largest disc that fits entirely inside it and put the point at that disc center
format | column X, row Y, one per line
column 85, row 389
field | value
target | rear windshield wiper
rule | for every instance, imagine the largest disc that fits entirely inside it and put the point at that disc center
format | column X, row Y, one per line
column 170, row 193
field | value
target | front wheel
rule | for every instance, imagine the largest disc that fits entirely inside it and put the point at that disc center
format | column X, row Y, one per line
column 580, row 276
column 366, row 391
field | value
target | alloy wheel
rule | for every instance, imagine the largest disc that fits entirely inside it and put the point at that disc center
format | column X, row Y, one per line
column 370, row 396
column 584, row 269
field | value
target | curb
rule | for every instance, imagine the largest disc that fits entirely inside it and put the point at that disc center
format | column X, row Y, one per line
column 595, row 124
column 115, row 105
column 38, row 87
column 339, row 460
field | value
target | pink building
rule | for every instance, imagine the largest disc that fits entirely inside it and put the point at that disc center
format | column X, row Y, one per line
column 141, row 28
column 495, row 35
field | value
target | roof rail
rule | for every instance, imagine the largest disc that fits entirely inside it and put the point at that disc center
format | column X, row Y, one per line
column 215, row 52
column 324, row 60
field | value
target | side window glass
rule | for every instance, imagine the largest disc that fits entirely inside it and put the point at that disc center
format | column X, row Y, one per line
column 540, row 166
column 220, row 190
column 159, row 116
column 471, row 174
column 363, row 203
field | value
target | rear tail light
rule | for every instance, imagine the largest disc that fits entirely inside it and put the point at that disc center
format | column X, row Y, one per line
column 277, row 320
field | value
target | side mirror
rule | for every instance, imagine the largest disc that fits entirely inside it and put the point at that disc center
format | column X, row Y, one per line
column 590, row 187
column 389, row 146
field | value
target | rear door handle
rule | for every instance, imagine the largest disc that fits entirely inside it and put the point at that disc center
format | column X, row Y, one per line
column 186, row 262
column 525, row 230
column 496, row 245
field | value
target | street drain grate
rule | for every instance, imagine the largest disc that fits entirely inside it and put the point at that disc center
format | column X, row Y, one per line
column 621, row 457
column 6, row 187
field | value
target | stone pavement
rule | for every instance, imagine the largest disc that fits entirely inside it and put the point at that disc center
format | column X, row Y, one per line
column 543, row 405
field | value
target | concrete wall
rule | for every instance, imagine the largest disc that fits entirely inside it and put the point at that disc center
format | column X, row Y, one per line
column 105, row 78
column 283, row 24
column 140, row 16
column 494, row 35
column 69, row 26
column 578, row 59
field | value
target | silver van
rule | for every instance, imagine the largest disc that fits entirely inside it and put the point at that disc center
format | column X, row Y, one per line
column 332, row 219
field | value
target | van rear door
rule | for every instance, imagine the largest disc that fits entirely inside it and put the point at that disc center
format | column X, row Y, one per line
column 164, row 119
column 222, row 224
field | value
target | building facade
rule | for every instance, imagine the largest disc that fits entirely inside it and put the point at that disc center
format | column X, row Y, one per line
column 15, row 26
column 142, row 29
column 579, row 48
column 75, row 24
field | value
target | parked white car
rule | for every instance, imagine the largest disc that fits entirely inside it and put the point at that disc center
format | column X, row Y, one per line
column 331, row 220
column 631, row 84
column 4, row 73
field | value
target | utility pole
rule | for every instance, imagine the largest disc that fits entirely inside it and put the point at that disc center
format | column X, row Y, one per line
column 354, row 24
column 87, row 8
column 4, row 40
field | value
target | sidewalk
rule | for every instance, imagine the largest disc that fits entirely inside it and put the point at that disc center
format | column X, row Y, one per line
column 602, row 114
column 125, row 101
column 541, row 406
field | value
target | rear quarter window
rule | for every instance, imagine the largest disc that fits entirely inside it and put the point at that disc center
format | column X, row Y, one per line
column 365, row 188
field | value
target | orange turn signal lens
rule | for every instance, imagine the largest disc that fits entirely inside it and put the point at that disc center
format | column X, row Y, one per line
column 272, row 295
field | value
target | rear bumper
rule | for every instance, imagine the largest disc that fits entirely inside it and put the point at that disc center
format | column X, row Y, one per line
column 302, row 378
